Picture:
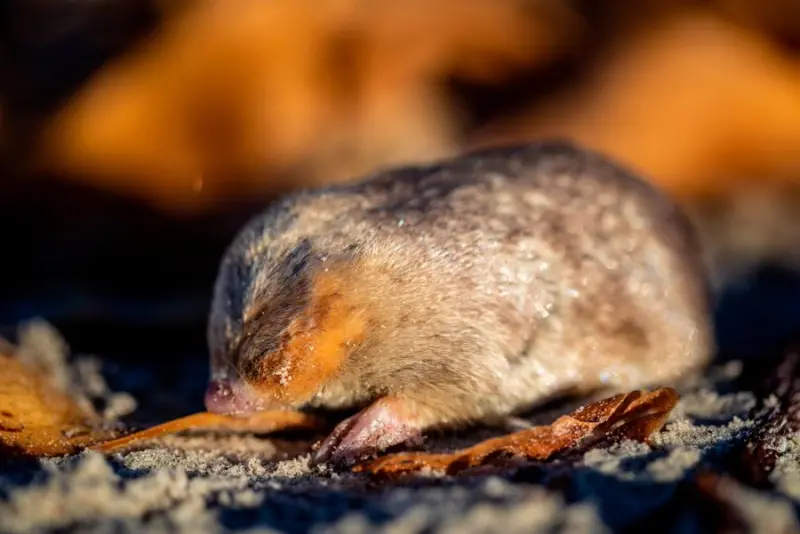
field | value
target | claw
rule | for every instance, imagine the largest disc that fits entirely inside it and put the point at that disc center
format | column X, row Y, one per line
column 378, row 427
column 633, row 415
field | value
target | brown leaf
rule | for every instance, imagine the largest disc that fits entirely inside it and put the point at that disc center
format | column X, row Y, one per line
column 633, row 415
column 36, row 419
column 259, row 423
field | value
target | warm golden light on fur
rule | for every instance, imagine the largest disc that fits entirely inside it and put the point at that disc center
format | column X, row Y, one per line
column 316, row 342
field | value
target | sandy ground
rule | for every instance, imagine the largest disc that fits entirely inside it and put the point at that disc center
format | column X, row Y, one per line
column 218, row 483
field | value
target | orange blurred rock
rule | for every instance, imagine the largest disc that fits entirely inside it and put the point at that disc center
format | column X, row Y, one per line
column 699, row 104
column 779, row 18
column 254, row 97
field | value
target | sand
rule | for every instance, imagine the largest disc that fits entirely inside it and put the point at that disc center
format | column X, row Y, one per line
column 225, row 483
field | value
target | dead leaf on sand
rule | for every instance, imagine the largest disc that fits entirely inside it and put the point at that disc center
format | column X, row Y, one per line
column 36, row 419
column 260, row 423
column 39, row 420
column 635, row 415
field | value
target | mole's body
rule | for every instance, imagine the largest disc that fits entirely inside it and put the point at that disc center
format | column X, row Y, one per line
column 456, row 293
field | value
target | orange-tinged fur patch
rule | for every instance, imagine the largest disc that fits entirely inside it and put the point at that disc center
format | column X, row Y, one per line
column 316, row 342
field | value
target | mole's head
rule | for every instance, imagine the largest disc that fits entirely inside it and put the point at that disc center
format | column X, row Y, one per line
column 296, row 337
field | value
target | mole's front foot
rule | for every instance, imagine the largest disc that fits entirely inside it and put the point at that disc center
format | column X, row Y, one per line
column 385, row 423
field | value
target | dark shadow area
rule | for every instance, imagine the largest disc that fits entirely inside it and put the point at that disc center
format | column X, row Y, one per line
column 758, row 313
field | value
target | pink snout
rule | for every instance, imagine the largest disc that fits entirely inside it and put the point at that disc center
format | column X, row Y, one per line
column 233, row 398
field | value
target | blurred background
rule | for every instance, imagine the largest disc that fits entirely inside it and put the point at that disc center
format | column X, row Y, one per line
column 136, row 136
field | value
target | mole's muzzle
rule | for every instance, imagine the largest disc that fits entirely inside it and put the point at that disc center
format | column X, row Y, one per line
column 233, row 397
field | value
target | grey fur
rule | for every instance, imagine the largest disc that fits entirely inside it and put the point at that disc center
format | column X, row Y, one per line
column 494, row 281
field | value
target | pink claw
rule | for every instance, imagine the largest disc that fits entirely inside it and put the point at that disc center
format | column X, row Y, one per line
column 376, row 428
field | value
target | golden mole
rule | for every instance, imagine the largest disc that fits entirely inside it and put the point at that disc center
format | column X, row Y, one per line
column 454, row 293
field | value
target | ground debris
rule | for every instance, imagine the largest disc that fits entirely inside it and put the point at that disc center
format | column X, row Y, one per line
column 42, row 414
column 633, row 415
column 38, row 419
column 778, row 423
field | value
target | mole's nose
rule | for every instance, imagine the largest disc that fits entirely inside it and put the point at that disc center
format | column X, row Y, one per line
column 231, row 398
column 219, row 396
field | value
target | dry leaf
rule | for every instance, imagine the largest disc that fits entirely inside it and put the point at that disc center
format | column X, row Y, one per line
column 632, row 415
column 259, row 423
column 36, row 419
